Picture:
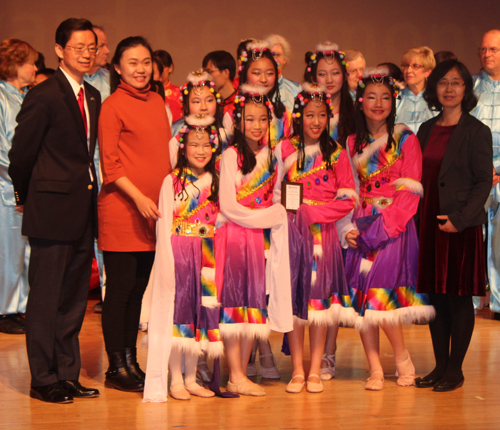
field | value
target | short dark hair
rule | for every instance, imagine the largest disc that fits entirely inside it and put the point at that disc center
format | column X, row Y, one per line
column 46, row 72
column 69, row 26
column 164, row 57
column 223, row 60
column 444, row 55
column 469, row 101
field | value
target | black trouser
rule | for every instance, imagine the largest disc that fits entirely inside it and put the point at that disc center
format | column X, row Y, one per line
column 127, row 276
column 451, row 332
column 59, row 278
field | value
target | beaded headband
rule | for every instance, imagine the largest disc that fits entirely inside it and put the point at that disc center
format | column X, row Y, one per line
column 317, row 94
column 198, row 79
column 200, row 124
column 328, row 49
column 377, row 76
column 257, row 49
column 255, row 93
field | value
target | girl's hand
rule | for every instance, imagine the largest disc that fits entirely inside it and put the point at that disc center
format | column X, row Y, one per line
column 351, row 239
column 448, row 227
column 147, row 208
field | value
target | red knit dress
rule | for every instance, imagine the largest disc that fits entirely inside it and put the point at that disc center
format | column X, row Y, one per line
column 133, row 141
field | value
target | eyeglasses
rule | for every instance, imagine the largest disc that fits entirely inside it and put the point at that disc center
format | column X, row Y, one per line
column 492, row 50
column 79, row 50
column 412, row 66
column 443, row 83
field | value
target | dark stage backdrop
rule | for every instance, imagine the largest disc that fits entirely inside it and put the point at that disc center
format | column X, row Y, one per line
column 188, row 29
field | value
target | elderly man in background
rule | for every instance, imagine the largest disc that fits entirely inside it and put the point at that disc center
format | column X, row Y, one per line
column 98, row 77
column 487, row 90
column 355, row 66
column 288, row 88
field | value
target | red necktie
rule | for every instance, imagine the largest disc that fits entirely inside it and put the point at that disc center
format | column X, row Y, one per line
column 81, row 103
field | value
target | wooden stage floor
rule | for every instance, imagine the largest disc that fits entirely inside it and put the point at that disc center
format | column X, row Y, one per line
column 343, row 405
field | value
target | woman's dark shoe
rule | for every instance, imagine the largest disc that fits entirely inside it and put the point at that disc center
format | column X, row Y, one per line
column 118, row 375
column 443, row 386
column 133, row 366
column 425, row 382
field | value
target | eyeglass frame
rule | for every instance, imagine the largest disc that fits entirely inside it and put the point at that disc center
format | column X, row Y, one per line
column 83, row 49
column 413, row 66
column 486, row 50
column 453, row 84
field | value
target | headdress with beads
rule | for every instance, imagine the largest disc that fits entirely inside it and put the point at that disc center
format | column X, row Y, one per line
column 254, row 93
column 328, row 49
column 317, row 94
column 197, row 80
column 378, row 75
column 200, row 124
column 254, row 50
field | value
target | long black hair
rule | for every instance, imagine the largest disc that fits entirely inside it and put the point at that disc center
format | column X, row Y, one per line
column 183, row 163
column 362, row 133
column 326, row 144
column 129, row 42
column 274, row 94
column 247, row 160
column 346, row 113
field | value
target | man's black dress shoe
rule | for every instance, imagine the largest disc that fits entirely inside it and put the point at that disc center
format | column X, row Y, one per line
column 496, row 316
column 75, row 389
column 425, row 382
column 10, row 326
column 449, row 386
column 52, row 393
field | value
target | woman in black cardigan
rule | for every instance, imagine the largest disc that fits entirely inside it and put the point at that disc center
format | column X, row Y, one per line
column 457, row 179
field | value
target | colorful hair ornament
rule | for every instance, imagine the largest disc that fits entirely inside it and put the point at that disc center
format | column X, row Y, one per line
column 200, row 124
column 377, row 75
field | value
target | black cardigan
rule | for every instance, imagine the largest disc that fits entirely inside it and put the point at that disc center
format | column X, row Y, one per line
column 466, row 174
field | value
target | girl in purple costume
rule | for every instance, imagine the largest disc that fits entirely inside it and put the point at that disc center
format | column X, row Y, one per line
column 248, row 177
column 319, row 292
column 184, row 318
column 381, row 264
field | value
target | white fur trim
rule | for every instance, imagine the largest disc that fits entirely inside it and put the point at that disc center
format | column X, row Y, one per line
column 320, row 317
column 313, row 88
column 375, row 146
column 365, row 266
column 346, row 316
column 259, row 331
column 403, row 316
column 262, row 159
column 384, row 70
column 253, row 90
column 413, row 185
column 187, row 345
column 257, row 44
column 209, row 302
column 313, row 278
column 318, row 251
column 349, row 193
column 208, row 273
column 197, row 76
column 193, row 190
column 199, row 120
column 309, row 151
column 232, row 330
column 327, row 46
column 213, row 349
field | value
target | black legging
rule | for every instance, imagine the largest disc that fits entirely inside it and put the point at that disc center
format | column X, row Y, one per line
column 454, row 323
column 127, row 276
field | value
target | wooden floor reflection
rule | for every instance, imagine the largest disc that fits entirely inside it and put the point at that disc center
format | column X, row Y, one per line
column 343, row 405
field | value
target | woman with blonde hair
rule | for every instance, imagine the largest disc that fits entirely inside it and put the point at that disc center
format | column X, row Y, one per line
column 411, row 109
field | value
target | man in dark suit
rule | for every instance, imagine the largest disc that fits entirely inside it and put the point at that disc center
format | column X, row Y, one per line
column 55, row 186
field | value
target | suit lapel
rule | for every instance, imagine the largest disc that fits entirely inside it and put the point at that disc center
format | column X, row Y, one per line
column 72, row 103
column 92, row 106
column 454, row 144
column 425, row 140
